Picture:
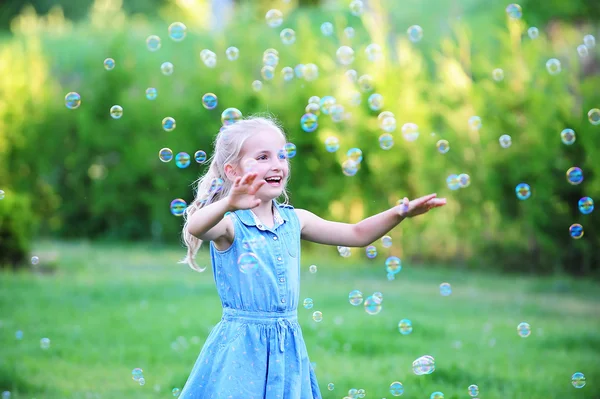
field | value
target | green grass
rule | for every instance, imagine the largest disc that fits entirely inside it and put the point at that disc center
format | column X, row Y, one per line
column 108, row 309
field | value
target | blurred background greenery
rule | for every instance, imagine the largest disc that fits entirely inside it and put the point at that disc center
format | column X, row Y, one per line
column 89, row 196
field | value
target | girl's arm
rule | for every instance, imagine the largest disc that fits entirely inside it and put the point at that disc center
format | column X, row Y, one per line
column 366, row 231
column 208, row 223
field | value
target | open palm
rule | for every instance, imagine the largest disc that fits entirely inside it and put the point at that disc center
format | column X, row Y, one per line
column 419, row 206
column 243, row 192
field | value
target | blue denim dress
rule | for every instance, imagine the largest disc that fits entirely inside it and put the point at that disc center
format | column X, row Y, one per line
column 257, row 350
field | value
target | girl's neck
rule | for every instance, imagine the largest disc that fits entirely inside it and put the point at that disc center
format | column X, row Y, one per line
column 264, row 212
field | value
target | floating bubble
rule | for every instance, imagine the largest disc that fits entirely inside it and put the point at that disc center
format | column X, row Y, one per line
column 309, row 122
column 267, row 72
column 232, row 53
column 169, row 124
column 274, row 18
column 415, row 33
column 330, row 386
column 355, row 154
column 505, row 141
column 405, row 326
column 35, row 260
column 386, row 241
column 574, row 175
column 312, row 108
column 445, row 289
column 153, row 43
column 109, row 64
column 349, row 167
column 473, row 390
column 177, row 31
column 524, row 330
column 209, row 58
column 349, row 32
column 393, row 265
column 326, row 103
column 475, row 123
column 281, row 154
column 290, row 150
column 594, row 116
column 257, row 85
column 452, row 182
column 327, row 28
column 356, row 7
column 388, row 124
column 514, row 11
column 589, row 41
column 375, row 101
column 209, row 101
column 351, row 75
column 288, row 36
column 396, row 388
column 355, row 297
column 137, row 373
column 567, row 136
column 365, row 83
column 533, row 32
column 19, row 335
column 308, row 303
column 371, row 251
column 287, row 73
column 250, row 165
column 176, row 392
column 151, row 93
column 167, row 68
column 247, row 262
column 200, row 156
column 386, row 141
column 578, row 380
column 576, row 231
column 165, row 154
column 464, row 180
column 424, row 365
column 311, row 72
column 216, row 185
column 45, row 343
column 230, row 116
column 498, row 75
column 317, row 316
column 182, row 160
column 410, row 131
column 332, row 144
column 442, row 146
column 553, row 66
column 437, row 395
column 345, row 55
column 344, row 251
column 116, row 111
column 582, row 50
column 373, row 52
column 586, row 205
column 72, row 100
column 372, row 305
column 142, row 381
column 523, row 191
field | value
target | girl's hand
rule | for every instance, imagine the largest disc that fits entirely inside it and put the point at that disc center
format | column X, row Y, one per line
column 243, row 192
column 419, row 206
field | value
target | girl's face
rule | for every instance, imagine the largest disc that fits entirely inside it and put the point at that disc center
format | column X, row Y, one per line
column 263, row 154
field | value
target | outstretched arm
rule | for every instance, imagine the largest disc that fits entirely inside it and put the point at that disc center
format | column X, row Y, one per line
column 366, row 231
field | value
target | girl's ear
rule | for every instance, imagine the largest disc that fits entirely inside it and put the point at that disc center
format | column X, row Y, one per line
column 230, row 172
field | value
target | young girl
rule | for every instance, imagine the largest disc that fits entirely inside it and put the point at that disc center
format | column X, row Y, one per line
column 257, row 349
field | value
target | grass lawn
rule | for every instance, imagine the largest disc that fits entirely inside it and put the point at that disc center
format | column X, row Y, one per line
column 109, row 309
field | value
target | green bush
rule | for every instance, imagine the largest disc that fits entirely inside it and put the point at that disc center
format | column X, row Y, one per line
column 17, row 226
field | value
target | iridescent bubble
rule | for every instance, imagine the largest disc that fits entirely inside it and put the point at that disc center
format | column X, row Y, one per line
column 281, row 155
column 388, row 124
column 464, row 180
column 19, row 335
column 327, row 28
column 393, row 265
column 267, row 72
column 309, row 122
column 351, row 75
column 257, row 85
column 574, row 175
column 505, row 141
column 355, row 154
column 442, row 146
column 177, row 31
column 308, row 303
column 247, row 262
column 116, row 111
column 317, row 316
column 355, row 297
column 330, row 386
column 137, row 373
column 250, row 165
column 498, row 75
column 312, row 269
column 45, row 343
column 35, row 260
column 386, row 241
column 475, row 123
column 165, row 154
column 332, row 144
column 405, row 326
column 371, row 251
column 312, row 108
column 578, row 380
column 375, row 101
column 361, row 393
column 200, row 156
column 437, row 395
column 169, row 124
column 586, row 205
column 424, row 365
column 209, row 58
column 209, row 101
column 445, row 289
column 151, row 93
column 274, row 18
column 287, row 73
column 514, row 11
column 553, row 66
column 142, row 381
column 153, row 43
column 290, row 150
column 314, row 100
column 378, row 295
column 310, row 72
column 410, row 131
column 182, row 160
column 167, row 68
column 533, row 32
column 365, row 83
column 230, row 116
column 176, row 392
column 523, row 191
column 589, row 41
column 372, row 305
column 6, row 395
column 373, row 52
column 216, row 185
column 582, row 50
column 349, row 32
column 349, row 167
column 288, row 36
column 396, row 388
column 356, row 7
column 72, row 100
column 232, row 53
column 415, row 33
column 109, row 64
column 452, row 182
column 524, row 330
column 567, row 136
column 386, row 141
column 326, row 103
column 270, row 59
column 337, row 113
column 473, row 390
column 594, row 116
column 345, row 55
column 576, row 231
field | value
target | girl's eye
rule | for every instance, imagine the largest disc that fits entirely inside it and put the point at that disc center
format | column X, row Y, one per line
column 261, row 157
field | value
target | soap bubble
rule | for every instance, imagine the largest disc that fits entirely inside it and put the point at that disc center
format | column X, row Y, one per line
column 523, row 191
column 177, row 31
column 553, row 66
column 514, row 11
column 109, row 64
column 153, row 43
column 167, row 68
column 72, row 100
column 274, row 18
column 356, row 7
column 232, row 53
column 567, row 136
column 396, row 388
column 578, row 380
column 533, row 32
column 415, row 33
column 345, row 55
column 327, row 28
column 151, row 93
column 288, row 36
column 594, row 116
column 524, row 330
column 116, row 111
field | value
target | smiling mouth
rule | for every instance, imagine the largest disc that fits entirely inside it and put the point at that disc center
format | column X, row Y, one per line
column 274, row 181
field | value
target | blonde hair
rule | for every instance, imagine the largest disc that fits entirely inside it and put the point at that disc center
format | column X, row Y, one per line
column 227, row 149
